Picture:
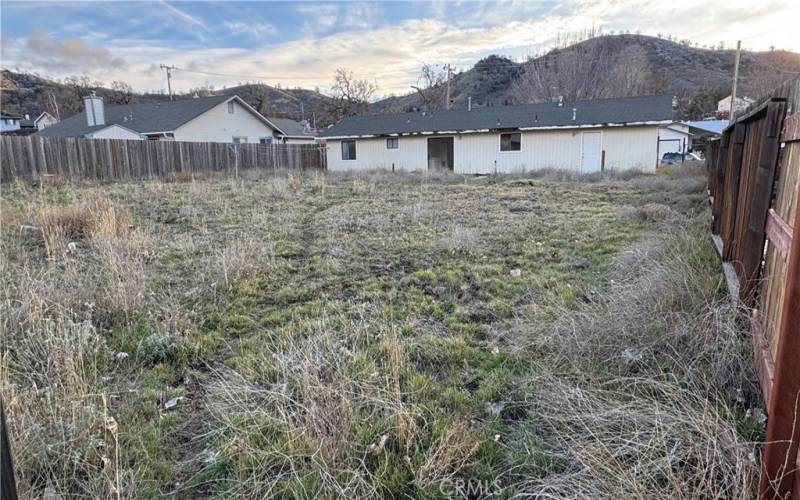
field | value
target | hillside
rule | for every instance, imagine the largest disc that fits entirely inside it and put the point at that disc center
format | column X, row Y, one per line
column 603, row 66
column 616, row 66
column 25, row 93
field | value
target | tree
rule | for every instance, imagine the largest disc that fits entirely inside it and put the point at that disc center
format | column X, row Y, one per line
column 351, row 97
column 432, row 87
column 604, row 67
column 121, row 93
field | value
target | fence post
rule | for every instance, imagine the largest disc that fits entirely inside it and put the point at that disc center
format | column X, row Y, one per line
column 8, row 485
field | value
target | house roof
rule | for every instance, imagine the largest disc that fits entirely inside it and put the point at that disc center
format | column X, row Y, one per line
column 291, row 128
column 709, row 126
column 143, row 118
column 42, row 115
column 621, row 111
column 9, row 116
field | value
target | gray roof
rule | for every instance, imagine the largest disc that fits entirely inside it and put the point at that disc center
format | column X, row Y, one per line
column 291, row 128
column 627, row 110
column 163, row 116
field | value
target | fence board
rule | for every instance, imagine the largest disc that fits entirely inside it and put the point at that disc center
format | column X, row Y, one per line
column 30, row 157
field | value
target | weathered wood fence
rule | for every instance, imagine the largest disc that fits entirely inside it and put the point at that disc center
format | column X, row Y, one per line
column 74, row 158
column 754, row 184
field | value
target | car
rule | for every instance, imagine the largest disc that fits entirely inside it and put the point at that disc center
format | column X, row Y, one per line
column 675, row 158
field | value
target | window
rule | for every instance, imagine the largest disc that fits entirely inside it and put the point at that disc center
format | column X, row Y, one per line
column 239, row 139
column 265, row 140
column 348, row 150
column 230, row 107
column 510, row 142
column 392, row 143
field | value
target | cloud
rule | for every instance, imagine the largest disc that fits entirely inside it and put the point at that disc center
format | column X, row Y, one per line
column 357, row 36
column 71, row 54
column 182, row 16
column 252, row 29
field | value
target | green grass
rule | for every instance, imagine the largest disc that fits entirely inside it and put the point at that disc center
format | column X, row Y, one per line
column 330, row 335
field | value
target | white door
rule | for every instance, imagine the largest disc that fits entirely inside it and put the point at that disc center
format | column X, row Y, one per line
column 590, row 152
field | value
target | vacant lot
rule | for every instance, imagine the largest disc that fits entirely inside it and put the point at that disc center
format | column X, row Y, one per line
column 310, row 335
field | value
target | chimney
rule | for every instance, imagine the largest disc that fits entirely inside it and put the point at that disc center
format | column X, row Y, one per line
column 95, row 114
column 469, row 103
column 574, row 113
column 560, row 101
column 27, row 116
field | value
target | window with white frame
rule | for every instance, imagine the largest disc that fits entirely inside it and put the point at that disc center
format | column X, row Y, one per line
column 265, row 140
column 348, row 150
column 511, row 142
column 392, row 143
column 239, row 139
column 230, row 107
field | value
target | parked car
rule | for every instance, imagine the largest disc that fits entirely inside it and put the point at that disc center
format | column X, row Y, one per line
column 675, row 158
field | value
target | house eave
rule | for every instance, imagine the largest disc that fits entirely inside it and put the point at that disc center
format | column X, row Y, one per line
column 486, row 130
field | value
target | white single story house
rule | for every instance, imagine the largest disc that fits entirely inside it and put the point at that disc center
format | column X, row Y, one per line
column 292, row 132
column 44, row 120
column 9, row 122
column 207, row 119
column 674, row 138
column 583, row 136
column 742, row 103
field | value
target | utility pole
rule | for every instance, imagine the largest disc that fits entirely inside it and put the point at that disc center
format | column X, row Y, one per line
column 169, row 69
column 447, row 102
column 735, row 79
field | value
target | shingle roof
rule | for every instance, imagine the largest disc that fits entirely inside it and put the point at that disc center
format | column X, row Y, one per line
column 290, row 127
column 597, row 112
column 143, row 118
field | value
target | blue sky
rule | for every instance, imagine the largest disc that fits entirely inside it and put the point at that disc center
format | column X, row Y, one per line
column 302, row 43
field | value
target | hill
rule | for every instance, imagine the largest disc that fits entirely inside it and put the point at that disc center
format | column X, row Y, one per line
column 601, row 66
column 26, row 93
column 616, row 66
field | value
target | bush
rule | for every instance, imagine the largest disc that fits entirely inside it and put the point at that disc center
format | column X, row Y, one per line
column 160, row 348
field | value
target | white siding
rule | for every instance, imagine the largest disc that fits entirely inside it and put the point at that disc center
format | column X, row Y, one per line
column 411, row 154
column 115, row 132
column 625, row 148
column 217, row 125
column 672, row 140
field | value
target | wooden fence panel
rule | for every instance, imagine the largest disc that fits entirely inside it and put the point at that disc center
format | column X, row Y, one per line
column 755, row 206
column 73, row 158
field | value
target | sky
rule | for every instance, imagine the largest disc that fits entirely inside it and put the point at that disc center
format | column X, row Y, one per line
column 300, row 44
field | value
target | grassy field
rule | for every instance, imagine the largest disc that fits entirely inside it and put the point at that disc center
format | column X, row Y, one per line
column 311, row 335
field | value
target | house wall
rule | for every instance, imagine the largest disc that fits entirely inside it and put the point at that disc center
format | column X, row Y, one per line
column 115, row 132
column 299, row 140
column 7, row 124
column 217, row 125
column 672, row 140
column 45, row 122
column 626, row 148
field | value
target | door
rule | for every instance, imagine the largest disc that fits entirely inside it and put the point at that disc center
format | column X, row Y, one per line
column 440, row 153
column 590, row 152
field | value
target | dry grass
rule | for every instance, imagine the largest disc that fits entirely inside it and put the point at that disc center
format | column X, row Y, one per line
column 365, row 335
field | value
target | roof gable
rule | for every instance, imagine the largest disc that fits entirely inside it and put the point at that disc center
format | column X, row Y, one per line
column 145, row 118
column 622, row 111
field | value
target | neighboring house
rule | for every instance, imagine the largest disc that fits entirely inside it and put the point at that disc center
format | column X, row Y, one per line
column 44, row 120
column 293, row 132
column 724, row 105
column 674, row 138
column 207, row 119
column 584, row 136
column 9, row 122
column 703, row 131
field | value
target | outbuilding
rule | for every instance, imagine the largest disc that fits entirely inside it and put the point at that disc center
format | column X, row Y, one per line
column 582, row 136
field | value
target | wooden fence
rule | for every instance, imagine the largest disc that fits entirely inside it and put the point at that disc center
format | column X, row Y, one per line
column 754, row 184
column 74, row 158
